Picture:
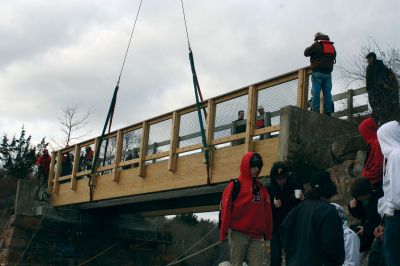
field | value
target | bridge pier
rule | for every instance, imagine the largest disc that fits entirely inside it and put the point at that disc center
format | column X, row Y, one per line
column 45, row 235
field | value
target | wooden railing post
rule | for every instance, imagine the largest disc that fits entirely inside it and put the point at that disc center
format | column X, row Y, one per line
column 302, row 88
column 350, row 94
column 94, row 176
column 58, row 173
column 210, row 136
column 75, row 167
column 251, row 118
column 143, row 148
column 174, row 143
column 118, row 155
column 51, row 173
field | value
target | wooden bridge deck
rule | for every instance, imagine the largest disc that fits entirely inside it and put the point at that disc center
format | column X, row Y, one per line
column 172, row 159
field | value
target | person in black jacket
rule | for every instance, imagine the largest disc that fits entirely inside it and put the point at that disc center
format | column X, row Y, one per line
column 312, row 233
column 282, row 193
column 383, row 90
column 363, row 206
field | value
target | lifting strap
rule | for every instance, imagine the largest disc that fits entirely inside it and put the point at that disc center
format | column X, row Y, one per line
column 110, row 114
column 199, row 99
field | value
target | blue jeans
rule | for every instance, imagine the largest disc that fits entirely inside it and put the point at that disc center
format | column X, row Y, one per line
column 391, row 247
column 321, row 81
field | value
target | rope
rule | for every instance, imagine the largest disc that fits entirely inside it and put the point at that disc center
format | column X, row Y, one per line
column 110, row 113
column 100, row 253
column 198, row 242
column 30, row 241
column 184, row 18
column 195, row 254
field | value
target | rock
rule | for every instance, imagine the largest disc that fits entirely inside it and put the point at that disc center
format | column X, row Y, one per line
column 359, row 163
column 346, row 147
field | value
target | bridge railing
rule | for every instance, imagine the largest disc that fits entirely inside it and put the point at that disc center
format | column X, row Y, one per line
column 176, row 134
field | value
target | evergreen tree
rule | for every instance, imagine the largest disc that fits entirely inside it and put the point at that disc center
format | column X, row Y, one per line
column 18, row 156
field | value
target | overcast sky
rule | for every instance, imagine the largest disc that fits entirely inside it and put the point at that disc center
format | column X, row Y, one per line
column 55, row 53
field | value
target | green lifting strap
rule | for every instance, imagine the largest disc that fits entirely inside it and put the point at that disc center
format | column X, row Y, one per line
column 196, row 93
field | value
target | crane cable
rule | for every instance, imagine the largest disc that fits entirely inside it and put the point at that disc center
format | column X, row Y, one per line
column 110, row 113
column 198, row 95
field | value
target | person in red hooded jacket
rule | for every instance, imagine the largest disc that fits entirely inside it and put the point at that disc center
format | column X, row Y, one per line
column 247, row 220
column 373, row 164
column 43, row 163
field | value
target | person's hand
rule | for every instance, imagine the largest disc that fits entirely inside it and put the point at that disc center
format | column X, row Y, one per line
column 301, row 196
column 353, row 203
column 378, row 232
column 277, row 203
column 360, row 230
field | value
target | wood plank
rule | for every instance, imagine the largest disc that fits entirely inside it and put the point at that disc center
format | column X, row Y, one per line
column 189, row 148
column 350, row 94
column 75, row 166
column 251, row 118
column 157, row 155
column 277, row 81
column 118, row 155
column 302, row 89
column 358, row 109
column 83, row 173
column 143, row 148
column 159, row 119
column 128, row 162
column 94, row 176
column 229, row 138
column 50, row 182
column 174, row 141
column 58, row 172
column 266, row 130
column 210, row 137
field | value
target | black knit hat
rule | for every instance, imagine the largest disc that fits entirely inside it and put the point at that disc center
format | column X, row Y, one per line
column 279, row 170
column 320, row 180
column 371, row 55
column 256, row 160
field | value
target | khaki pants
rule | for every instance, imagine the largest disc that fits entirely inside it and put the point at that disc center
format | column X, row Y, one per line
column 243, row 248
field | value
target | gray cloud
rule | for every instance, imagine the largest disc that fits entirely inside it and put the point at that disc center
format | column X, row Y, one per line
column 58, row 52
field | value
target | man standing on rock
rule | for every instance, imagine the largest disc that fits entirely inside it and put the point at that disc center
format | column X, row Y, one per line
column 383, row 90
column 322, row 55
column 246, row 217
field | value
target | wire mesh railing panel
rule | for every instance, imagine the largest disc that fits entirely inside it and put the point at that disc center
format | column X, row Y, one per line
column 230, row 117
column 272, row 99
column 131, row 144
column 159, row 137
column 107, row 151
column 189, row 129
column 86, row 157
column 67, row 161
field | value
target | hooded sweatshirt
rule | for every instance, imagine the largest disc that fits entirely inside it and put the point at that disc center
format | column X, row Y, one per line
column 251, row 212
column 351, row 240
column 389, row 139
column 373, row 165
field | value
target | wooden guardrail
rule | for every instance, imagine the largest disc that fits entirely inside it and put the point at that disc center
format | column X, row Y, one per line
column 151, row 153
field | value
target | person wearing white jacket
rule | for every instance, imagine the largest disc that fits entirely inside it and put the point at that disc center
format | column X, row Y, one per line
column 351, row 240
column 389, row 204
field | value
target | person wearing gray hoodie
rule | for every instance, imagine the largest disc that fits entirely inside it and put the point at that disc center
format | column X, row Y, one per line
column 389, row 204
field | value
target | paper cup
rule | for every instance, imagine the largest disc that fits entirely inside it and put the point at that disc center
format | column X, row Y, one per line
column 297, row 193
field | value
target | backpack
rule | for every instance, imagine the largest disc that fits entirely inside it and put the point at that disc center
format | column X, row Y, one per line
column 327, row 48
column 235, row 193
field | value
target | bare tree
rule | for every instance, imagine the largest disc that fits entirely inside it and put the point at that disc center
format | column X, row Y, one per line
column 355, row 70
column 72, row 121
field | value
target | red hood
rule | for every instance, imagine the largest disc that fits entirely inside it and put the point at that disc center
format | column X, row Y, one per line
column 245, row 173
column 368, row 130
